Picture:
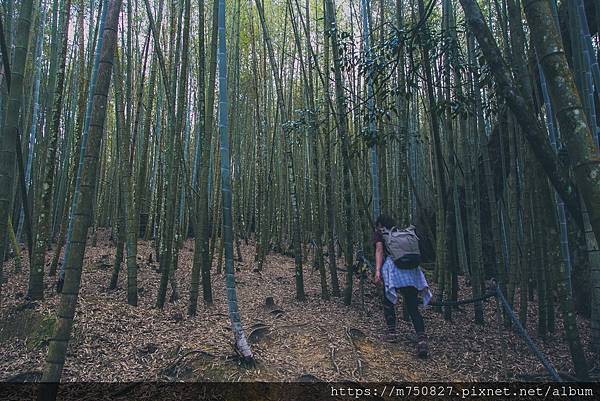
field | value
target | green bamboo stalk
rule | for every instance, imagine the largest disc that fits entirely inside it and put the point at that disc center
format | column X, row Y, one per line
column 203, row 226
column 15, row 245
column 329, row 168
column 240, row 339
column 342, row 127
column 36, row 277
column 287, row 140
column 10, row 131
column 200, row 230
column 82, row 214
column 127, row 228
column 522, row 110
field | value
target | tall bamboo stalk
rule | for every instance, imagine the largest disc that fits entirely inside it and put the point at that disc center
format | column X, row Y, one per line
column 59, row 342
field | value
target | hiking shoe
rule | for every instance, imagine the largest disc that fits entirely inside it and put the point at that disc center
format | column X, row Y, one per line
column 422, row 349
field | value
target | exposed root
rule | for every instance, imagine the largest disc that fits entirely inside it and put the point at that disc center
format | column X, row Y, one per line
column 359, row 362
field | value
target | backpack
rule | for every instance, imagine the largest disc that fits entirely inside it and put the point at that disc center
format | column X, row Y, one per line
column 402, row 245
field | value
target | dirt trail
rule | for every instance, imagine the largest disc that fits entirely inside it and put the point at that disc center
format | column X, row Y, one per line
column 311, row 340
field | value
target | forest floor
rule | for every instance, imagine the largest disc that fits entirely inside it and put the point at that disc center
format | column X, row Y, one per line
column 326, row 340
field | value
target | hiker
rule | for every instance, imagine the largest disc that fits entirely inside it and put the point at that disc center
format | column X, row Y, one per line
column 397, row 259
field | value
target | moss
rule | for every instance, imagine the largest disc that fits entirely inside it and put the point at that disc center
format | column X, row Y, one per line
column 41, row 333
column 24, row 324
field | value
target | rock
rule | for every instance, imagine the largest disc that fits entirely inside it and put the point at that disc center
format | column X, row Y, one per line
column 149, row 348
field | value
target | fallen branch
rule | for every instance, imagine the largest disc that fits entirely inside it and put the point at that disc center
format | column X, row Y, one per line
column 337, row 368
column 196, row 351
column 171, row 366
column 355, row 352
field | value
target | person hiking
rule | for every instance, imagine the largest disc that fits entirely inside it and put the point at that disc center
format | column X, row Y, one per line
column 401, row 274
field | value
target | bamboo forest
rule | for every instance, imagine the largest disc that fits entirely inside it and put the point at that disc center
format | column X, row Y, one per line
column 299, row 191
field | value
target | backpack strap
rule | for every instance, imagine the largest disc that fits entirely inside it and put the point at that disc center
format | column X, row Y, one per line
column 385, row 232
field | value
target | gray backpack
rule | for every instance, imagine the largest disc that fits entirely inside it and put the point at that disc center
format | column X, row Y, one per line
column 402, row 245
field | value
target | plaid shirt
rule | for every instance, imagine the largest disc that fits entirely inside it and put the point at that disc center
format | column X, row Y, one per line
column 394, row 278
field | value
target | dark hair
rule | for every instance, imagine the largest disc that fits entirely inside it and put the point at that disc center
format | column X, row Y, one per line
column 385, row 220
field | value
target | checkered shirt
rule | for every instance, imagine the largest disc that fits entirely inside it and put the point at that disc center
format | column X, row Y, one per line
column 394, row 278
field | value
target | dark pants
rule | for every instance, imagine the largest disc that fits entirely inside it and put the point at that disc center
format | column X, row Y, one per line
column 410, row 299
